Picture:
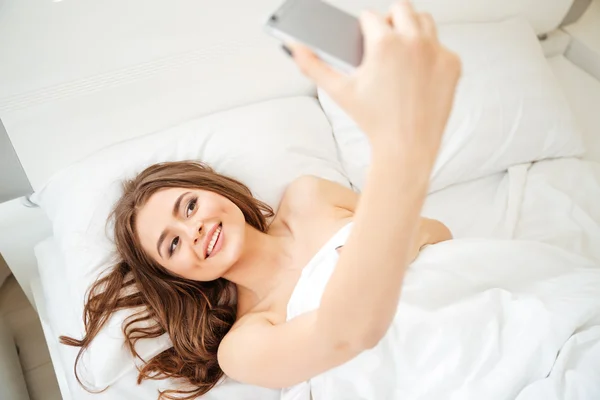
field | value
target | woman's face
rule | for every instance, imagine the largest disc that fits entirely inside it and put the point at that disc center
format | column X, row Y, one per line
column 196, row 234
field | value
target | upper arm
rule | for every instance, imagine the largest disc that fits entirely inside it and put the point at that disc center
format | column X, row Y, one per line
column 282, row 355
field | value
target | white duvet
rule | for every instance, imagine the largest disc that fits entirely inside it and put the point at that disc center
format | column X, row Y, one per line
column 478, row 319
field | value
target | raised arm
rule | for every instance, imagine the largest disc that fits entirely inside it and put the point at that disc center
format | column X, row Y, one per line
column 401, row 96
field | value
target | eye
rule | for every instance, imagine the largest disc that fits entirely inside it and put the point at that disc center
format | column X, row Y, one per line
column 191, row 207
column 173, row 245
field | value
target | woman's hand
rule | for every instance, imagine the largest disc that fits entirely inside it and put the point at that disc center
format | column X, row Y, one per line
column 404, row 88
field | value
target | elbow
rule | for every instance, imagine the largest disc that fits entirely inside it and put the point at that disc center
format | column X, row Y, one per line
column 354, row 334
column 357, row 342
column 371, row 338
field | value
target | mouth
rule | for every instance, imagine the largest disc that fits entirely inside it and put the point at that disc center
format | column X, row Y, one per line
column 214, row 240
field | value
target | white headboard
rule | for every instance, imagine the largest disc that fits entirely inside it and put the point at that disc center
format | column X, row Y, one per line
column 78, row 76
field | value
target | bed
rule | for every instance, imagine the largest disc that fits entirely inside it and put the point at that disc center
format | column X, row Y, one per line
column 482, row 208
column 114, row 99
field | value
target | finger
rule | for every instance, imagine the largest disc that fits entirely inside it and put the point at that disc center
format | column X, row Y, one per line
column 373, row 27
column 318, row 71
column 428, row 25
column 405, row 18
column 388, row 19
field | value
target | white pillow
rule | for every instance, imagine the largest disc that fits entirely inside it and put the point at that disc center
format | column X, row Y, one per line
column 266, row 146
column 508, row 109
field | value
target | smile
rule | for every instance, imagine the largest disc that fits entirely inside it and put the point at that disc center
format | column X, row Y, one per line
column 214, row 241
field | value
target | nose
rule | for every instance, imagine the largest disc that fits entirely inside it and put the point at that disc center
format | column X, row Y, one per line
column 195, row 231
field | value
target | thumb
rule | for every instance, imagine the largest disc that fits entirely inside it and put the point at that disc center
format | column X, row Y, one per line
column 325, row 77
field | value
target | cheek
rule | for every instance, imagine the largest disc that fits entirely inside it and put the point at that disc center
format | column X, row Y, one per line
column 182, row 263
column 234, row 212
column 214, row 209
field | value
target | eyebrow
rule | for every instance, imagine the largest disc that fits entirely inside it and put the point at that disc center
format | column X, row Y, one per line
column 163, row 235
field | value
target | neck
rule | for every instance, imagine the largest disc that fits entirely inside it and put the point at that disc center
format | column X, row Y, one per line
column 260, row 270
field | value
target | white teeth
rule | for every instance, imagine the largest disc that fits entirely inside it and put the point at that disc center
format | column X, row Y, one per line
column 213, row 240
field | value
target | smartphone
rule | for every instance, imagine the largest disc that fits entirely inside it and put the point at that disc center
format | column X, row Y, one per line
column 332, row 34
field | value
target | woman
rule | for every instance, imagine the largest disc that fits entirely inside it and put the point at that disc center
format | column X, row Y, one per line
column 194, row 243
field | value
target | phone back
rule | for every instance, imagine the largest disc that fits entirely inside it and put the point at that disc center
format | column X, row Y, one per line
column 330, row 32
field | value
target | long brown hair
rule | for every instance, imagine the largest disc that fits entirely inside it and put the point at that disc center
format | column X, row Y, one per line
column 196, row 315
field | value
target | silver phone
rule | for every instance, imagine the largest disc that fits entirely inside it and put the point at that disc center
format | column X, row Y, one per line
column 334, row 35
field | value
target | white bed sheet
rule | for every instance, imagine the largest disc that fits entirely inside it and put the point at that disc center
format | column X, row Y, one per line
column 561, row 206
column 550, row 201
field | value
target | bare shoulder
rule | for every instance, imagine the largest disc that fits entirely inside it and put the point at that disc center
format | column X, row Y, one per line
column 310, row 195
column 304, row 192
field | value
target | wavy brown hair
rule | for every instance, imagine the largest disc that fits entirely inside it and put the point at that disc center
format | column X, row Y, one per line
column 196, row 315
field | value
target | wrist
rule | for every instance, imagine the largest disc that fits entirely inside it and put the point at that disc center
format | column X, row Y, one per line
column 405, row 146
column 403, row 156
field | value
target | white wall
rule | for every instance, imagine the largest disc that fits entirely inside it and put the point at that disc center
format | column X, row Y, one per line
column 21, row 228
column 584, row 50
column 4, row 270
column 13, row 182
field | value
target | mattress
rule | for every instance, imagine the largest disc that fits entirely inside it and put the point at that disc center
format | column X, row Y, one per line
column 549, row 201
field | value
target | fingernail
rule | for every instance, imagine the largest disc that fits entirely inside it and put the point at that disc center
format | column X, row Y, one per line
column 287, row 50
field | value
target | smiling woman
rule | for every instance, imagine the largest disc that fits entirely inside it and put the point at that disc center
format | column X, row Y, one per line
column 200, row 255
column 179, row 227
column 203, row 261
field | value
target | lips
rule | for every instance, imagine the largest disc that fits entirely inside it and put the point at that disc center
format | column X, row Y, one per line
column 210, row 241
